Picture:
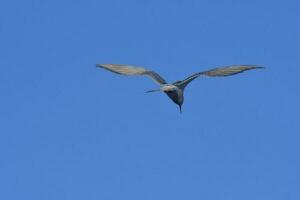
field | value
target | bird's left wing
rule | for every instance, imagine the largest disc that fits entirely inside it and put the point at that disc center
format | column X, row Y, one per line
column 131, row 70
column 217, row 72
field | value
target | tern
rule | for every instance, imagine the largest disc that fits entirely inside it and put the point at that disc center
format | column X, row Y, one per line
column 175, row 90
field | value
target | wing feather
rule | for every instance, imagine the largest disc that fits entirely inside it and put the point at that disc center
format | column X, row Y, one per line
column 132, row 70
column 218, row 72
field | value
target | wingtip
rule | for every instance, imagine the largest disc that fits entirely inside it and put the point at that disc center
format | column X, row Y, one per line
column 105, row 65
column 255, row 66
column 259, row 67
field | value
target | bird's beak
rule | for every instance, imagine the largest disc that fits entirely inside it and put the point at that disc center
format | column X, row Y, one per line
column 180, row 109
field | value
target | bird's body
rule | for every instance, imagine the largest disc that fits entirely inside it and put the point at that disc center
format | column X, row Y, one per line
column 175, row 90
column 174, row 93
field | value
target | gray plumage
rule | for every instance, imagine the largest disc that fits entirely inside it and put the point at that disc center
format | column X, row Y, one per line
column 176, row 89
column 131, row 70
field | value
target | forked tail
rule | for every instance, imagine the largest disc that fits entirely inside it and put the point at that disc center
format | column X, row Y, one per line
column 157, row 90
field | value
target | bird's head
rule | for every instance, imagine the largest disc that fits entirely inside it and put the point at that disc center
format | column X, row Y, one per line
column 179, row 102
column 180, row 107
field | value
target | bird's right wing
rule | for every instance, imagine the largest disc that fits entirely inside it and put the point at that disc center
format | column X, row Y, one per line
column 131, row 70
column 217, row 72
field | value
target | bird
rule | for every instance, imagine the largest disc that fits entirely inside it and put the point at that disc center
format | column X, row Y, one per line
column 175, row 90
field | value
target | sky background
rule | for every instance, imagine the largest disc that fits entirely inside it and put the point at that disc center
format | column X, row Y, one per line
column 72, row 131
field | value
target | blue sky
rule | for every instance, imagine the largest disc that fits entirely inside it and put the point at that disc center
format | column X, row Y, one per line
column 72, row 131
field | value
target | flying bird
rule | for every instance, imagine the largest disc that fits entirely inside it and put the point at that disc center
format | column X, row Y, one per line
column 175, row 90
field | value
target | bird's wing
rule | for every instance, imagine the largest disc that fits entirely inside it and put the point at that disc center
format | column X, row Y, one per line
column 131, row 70
column 217, row 72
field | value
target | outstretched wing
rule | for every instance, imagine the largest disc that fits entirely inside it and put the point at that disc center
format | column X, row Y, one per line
column 216, row 72
column 131, row 70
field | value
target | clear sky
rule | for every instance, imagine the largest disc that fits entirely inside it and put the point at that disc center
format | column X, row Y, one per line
column 72, row 131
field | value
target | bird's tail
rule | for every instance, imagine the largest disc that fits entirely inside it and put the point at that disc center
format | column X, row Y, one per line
column 157, row 90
